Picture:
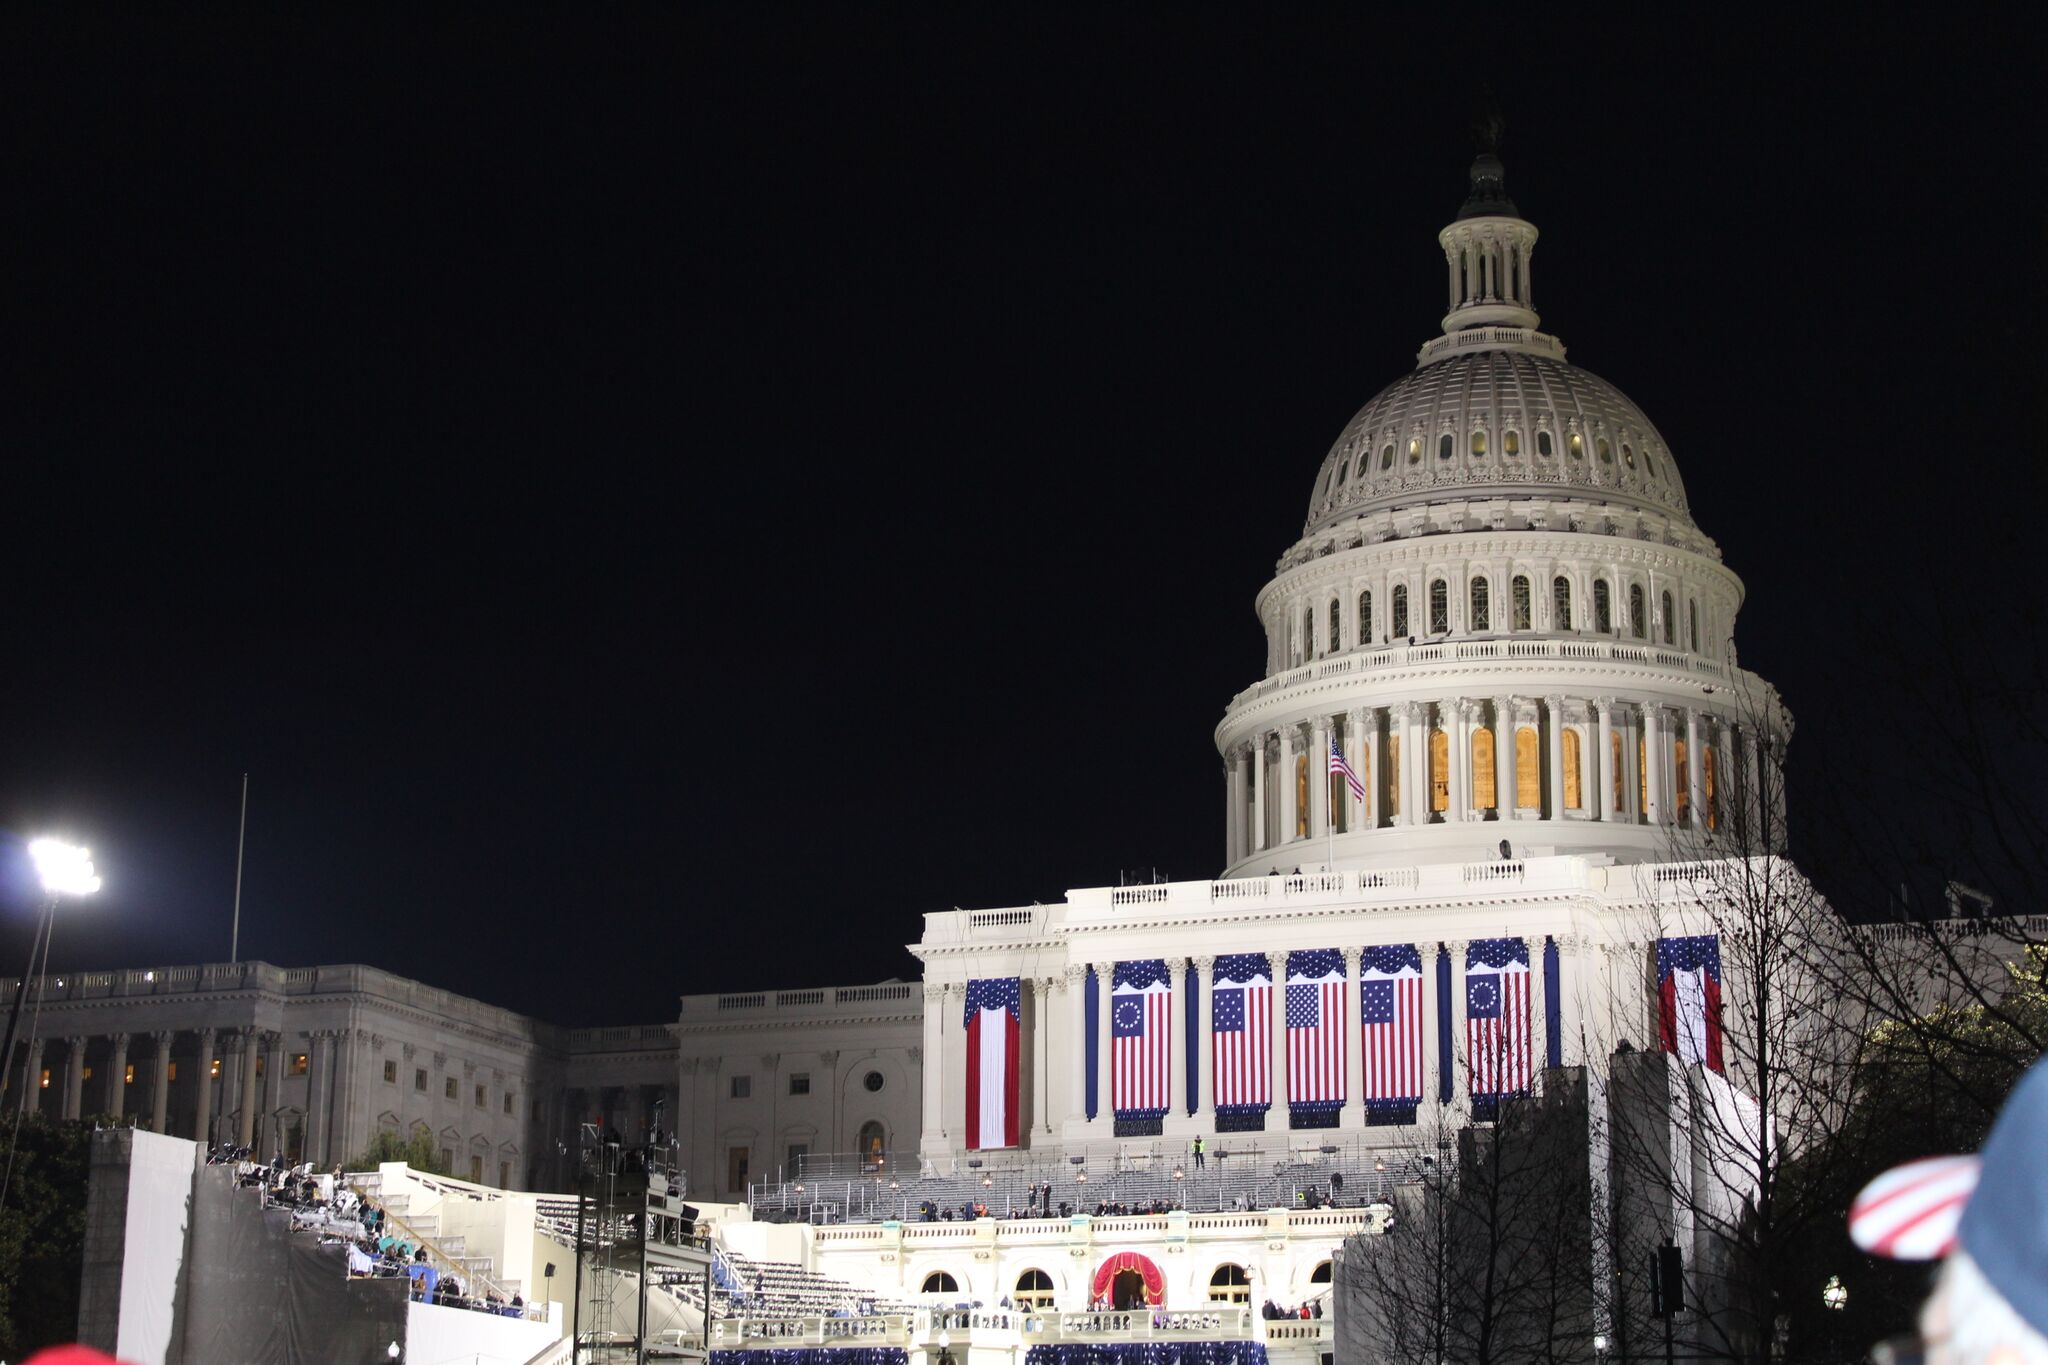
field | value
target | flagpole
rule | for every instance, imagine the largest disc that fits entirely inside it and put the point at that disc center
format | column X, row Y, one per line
column 241, row 838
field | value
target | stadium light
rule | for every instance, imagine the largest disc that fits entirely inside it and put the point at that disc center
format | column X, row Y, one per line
column 65, row 869
column 1835, row 1295
column 988, row 1182
column 1082, row 1178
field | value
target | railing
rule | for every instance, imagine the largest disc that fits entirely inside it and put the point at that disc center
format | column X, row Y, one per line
column 1313, row 1330
column 1394, row 657
column 1217, row 1322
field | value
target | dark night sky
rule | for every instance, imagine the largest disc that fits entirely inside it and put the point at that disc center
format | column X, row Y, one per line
column 656, row 507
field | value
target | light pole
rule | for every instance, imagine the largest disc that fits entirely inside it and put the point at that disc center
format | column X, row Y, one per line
column 64, row 870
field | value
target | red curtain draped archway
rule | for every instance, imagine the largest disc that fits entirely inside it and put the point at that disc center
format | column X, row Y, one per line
column 1155, row 1283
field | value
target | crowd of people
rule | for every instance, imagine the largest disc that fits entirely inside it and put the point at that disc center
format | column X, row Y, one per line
column 1273, row 1312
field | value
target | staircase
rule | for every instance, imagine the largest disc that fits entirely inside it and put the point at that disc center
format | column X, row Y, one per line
column 449, row 1254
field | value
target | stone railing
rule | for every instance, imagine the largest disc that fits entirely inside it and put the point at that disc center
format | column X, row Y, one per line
column 1312, row 1331
column 812, row 1002
column 1393, row 658
column 994, row 1327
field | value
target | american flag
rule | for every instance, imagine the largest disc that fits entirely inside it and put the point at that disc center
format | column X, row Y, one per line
column 1390, row 1004
column 1315, row 1027
column 1141, row 1038
column 1338, row 764
column 1689, row 998
column 1497, row 1016
column 1241, row 1028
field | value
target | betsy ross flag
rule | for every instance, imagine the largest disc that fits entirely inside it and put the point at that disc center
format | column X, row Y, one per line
column 1689, row 998
column 1315, row 1029
column 1390, row 1007
column 1338, row 764
column 1241, row 1031
column 992, row 1031
column 1141, row 1039
column 1497, row 1017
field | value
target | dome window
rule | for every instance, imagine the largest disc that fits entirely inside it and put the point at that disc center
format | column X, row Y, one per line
column 1578, row 446
column 1637, row 626
column 1520, row 587
column 1344, row 469
column 1365, row 610
column 1415, row 450
column 1439, row 608
column 1543, row 444
column 1445, row 445
column 1561, row 602
column 1308, row 634
column 1336, row 625
column 1628, row 454
column 1606, row 451
column 1670, row 626
column 1511, row 444
column 1400, row 624
column 1603, row 607
column 1692, row 624
column 1480, row 603
column 1650, row 462
column 1478, row 444
column 1387, row 456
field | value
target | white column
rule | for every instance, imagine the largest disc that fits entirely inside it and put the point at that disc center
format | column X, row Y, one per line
column 1633, row 782
column 1555, row 730
column 1259, row 784
column 1105, row 1095
column 934, row 1065
column 1358, row 753
column 1077, row 1042
column 1456, row 749
column 317, row 1067
column 1696, row 816
column 247, row 1130
column 160, row 1082
column 202, row 1120
column 1724, row 771
column 1430, row 1054
column 1414, row 765
column 117, row 1074
column 1319, row 779
column 1240, row 776
column 74, row 1077
column 1461, row 1077
column 1506, row 778
column 1353, row 1115
column 1290, row 794
column 1205, row 1059
column 1177, row 1045
column 1603, row 762
column 1277, row 964
column 1655, row 747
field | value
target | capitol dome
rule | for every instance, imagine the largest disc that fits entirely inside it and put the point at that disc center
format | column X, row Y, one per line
column 1500, row 616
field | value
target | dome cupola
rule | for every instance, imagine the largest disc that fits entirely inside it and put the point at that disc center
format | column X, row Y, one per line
column 1487, row 248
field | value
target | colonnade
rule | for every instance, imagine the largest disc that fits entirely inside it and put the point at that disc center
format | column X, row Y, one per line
column 1055, row 1090
column 1499, row 758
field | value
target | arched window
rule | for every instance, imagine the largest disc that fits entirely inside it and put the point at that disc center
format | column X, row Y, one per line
column 1572, row 796
column 1445, row 446
column 872, row 1140
column 1439, row 770
column 1478, row 444
column 1643, row 773
column 1230, row 1284
column 1543, row 444
column 1628, row 454
column 1336, row 625
column 1439, row 607
column 1301, row 796
column 1603, row 607
column 1387, row 456
column 1511, row 444
column 1606, row 451
column 1321, row 1274
column 1670, row 626
column 1692, row 624
column 1577, row 446
column 1400, row 626
column 1681, row 780
column 1520, row 591
column 1614, row 766
column 1365, row 618
column 1636, row 625
column 1414, row 450
column 1034, row 1290
column 1650, row 462
column 1561, row 602
column 939, row 1282
column 1343, row 469
column 1481, row 618
column 1308, row 633
column 1482, row 769
column 1390, row 775
column 1528, row 770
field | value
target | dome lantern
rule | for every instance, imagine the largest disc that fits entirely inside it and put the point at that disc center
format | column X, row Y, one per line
column 1487, row 249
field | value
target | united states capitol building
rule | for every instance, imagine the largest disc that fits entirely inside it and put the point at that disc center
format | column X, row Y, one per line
column 1499, row 616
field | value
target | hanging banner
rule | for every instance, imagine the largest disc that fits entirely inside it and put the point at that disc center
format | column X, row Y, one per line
column 1316, row 1024
column 1689, row 999
column 1390, row 1035
column 1141, row 1041
column 1241, row 1037
column 1496, row 1021
column 993, row 1024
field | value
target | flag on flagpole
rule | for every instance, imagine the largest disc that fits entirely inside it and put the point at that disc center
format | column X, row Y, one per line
column 1316, row 1021
column 993, row 1019
column 1689, row 998
column 1497, row 1019
column 1141, row 1038
column 1338, row 764
column 1390, row 1005
column 1241, row 1032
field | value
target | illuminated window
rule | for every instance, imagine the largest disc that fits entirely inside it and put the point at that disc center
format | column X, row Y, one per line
column 1415, row 450
column 1636, row 625
column 46, row 1078
column 1642, row 773
column 1707, row 785
column 174, row 1071
column 1519, row 591
column 1387, row 456
column 1336, row 625
column 1439, row 607
column 129, row 1077
column 1577, row 446
column 1543, row 444
column 1561, row 602
column 87, row 1074
column 1628, row 455
column 260, row 1059
column 1445, row 445
column 1365, row 618
column 1528, row 770
column 1603, row 607
column 1511, row 443
column 1681, row 779
column 1670, row 625
column 1692, row 624
column 1301, row 796
column 1482, row 769
column 1614, row 765
column 1034, row 1290
column 216, row 1069
column 1400, row 610
column 1390, row 790
column 1230, row 1284
column 300, row 1063
column 1439, row 770
column 1478, row 444
column 1606, row 451
column 1480, row 619
column 1572, row 796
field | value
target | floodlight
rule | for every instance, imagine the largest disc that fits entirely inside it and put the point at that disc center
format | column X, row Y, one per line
column 65, row 869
